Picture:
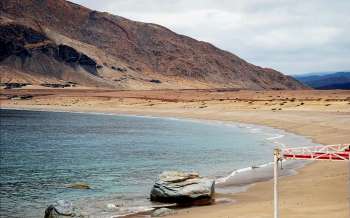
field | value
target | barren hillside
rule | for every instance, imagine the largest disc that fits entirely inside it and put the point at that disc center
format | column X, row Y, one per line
column 55, row 41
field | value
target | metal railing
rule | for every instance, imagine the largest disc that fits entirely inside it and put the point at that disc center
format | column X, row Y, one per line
column 339, row 152
column 327, row 152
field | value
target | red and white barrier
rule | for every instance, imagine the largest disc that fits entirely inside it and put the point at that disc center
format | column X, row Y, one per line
column 339, row 152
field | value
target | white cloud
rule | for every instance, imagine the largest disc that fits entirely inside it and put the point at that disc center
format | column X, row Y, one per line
column 293, row 36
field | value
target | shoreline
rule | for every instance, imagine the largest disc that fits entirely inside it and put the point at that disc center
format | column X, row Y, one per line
column 164, row 116
column 226, row 190
column 150, row 116
column 319, row 190
column 240, row 188
column 197, row 120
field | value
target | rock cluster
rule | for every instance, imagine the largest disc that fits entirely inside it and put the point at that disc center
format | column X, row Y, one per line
column 183, row 188
column 13, row 85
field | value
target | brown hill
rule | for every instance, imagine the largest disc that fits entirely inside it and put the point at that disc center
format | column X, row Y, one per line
column 58, row 41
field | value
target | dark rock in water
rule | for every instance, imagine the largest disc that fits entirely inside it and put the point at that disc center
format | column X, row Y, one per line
column 163, row 212
column 61, row 209
column 183, row 188
column 79, row 186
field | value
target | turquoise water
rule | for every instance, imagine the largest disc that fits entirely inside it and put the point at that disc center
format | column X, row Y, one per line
column 118, row 156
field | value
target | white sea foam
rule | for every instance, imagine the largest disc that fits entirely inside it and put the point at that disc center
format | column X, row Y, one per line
column 275, row 137
column 239, row 180
column 128, row 211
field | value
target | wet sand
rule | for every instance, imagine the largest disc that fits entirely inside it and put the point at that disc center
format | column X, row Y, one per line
column 321, row 189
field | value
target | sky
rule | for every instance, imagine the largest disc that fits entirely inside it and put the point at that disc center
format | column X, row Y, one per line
column 292, row 36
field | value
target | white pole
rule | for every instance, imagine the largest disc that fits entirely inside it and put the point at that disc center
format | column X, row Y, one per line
column 276, row 156
column 349, row 185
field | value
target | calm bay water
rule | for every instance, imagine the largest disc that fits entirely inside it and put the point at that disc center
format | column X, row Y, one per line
column 118, row 156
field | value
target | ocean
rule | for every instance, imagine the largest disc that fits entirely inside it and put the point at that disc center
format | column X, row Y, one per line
column 120, row 157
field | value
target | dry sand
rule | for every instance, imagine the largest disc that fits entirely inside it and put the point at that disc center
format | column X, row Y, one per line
column 319, row 190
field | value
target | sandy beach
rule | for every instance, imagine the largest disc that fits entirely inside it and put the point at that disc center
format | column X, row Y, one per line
column 320, row 189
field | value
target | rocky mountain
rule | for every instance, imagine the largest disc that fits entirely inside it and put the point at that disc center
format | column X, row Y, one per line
column 331, row 80
column 56, row 41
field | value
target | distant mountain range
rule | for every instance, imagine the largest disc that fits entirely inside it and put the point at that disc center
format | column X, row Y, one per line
column 56, row 41
column 329, row 80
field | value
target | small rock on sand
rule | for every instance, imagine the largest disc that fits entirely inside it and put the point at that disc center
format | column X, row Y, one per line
column 163, row 212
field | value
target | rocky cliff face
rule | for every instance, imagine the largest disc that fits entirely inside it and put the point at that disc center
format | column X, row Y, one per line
column 22, row 42
column 28, row 49
column 122, row 53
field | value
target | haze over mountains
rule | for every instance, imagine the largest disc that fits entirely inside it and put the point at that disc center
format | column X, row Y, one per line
column 336, row 80
column 55, row 41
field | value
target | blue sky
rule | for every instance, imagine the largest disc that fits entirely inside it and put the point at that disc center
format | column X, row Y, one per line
column 292, row 36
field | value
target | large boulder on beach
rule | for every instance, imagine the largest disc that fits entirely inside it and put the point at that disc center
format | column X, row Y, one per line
column 183, row 188
column 61, row 209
